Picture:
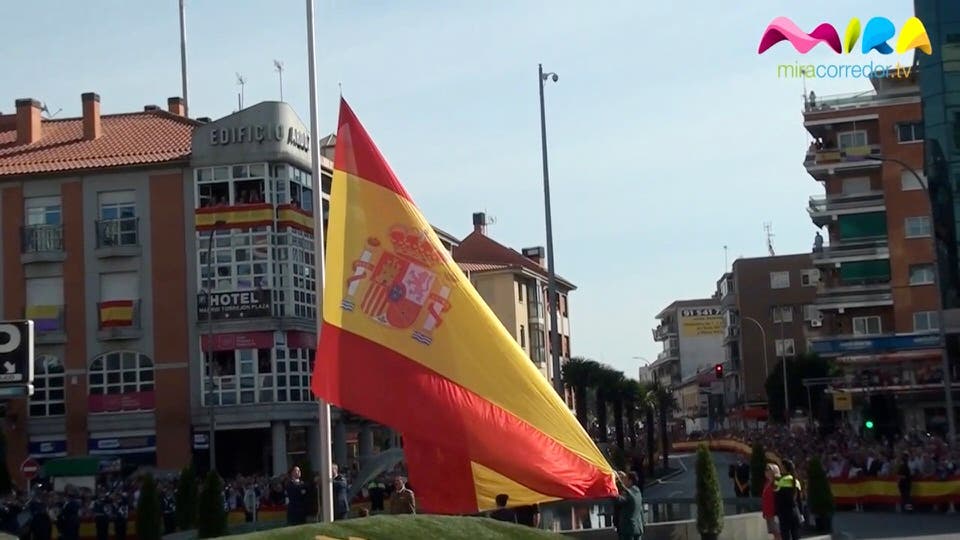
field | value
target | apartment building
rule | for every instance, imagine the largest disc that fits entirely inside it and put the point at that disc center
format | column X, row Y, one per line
column 692, row 335
column 877, row 295
column 514, row 285
column 768, row 308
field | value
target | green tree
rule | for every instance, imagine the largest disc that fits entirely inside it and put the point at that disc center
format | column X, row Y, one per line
column 709, row 501
column 212, row 518
column 149, row 523
column 819, row 495
column 648, row 406
column 580, row 374
column 807, row 366
column 6, row 484
column 617, row 393
column 186, row 499
column 607, row 381
column 632, row 391
column 758, row 468
column 665, row 403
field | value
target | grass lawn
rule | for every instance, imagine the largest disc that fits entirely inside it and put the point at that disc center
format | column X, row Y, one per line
column 406, row 528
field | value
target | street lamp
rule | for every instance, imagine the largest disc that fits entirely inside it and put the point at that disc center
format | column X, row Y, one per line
column 209, row 354
column 551, row 272
column 766, row 367
column 945, row 357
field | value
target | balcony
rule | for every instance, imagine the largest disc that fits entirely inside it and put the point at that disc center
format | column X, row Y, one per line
column 732, row 333
column 118, row 237
column 664, row 332
column 866, row 249
column 853, row 101
column 119, row 320
column 848, row 295
column 825, row 210
column 48, row 323
column 41, row 243
column 826, row 161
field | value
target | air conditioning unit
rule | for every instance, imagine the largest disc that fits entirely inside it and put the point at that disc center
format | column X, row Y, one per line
column 816, row 323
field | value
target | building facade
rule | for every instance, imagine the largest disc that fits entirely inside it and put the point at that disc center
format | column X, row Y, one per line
column 768, row 309
column 877, row 295
column 514, row 285
column 692, row 335
column 940, row 90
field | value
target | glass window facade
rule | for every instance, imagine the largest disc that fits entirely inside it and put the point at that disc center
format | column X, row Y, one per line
column 857, row 226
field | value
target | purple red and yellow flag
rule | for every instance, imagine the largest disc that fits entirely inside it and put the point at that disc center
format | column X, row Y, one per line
column 407, row 341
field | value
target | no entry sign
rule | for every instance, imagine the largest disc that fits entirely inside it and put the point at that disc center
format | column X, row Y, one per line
column 30, row 468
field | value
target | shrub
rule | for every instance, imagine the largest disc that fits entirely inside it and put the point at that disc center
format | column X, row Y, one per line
column 186, row 499
column 818, row 491
column 212, row 518
column 149, row 524
column 709, row 501
column 758, row 468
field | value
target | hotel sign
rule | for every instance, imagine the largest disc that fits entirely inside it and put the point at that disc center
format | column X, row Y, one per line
column 235, row 305
column 260, row 133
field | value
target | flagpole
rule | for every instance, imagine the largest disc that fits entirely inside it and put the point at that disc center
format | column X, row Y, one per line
column 326, row 486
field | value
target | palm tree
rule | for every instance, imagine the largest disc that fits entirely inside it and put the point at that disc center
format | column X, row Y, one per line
column 648, row 407
column 580, row 374
column 632, row 391
column 607, row 381
column 665, row 404
column 617, row 395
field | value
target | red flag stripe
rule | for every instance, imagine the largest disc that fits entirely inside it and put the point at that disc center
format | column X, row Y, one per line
column 356, row 154
column 385, row 386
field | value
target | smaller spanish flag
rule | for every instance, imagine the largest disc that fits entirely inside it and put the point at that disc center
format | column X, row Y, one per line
column 116, row 313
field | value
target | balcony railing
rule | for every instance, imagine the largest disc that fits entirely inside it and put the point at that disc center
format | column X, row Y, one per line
column 118, row 314
column 664, row 331
column 119, row 232
column 853, row 249
column 822, row 209
column 834, row 155
column 854, row 100
column 41, row 239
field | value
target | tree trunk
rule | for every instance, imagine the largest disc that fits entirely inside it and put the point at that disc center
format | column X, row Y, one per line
column 580, row 396
column 664, row 440
column 618, row 423
column 602, row 416
column 651, row 446
column 632, row 426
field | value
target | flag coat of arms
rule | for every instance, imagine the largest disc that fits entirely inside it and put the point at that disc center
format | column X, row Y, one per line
column 408, row 342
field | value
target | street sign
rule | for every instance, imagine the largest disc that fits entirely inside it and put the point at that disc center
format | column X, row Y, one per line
column 842, row 401
column 16, row 353
column 30, row 468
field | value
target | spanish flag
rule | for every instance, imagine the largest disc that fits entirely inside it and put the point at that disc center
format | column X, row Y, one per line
column 408, row 342
column 116, row 313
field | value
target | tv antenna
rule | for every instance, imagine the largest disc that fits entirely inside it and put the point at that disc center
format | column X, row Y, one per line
column 46, row 111
column 278, row 67
column 240, row 82
column 768, row 229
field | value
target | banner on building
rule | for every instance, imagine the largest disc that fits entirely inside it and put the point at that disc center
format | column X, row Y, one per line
column 246, row 304
column 701, row 322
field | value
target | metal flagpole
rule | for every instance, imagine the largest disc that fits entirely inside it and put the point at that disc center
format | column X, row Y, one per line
column 326, row 486
column 183, row 58
column 553, row 303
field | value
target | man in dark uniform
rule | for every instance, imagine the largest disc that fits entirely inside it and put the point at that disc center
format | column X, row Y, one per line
column 529, row 515
column 41, row 528
column 296, row 499
column 120, row 511
column 102, row 512
column 169, row 505
column 341, row 497
column 741, row 478
column 377, row 490
column 68, row 522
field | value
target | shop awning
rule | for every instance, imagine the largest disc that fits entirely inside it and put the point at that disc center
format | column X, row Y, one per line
column 72, row 466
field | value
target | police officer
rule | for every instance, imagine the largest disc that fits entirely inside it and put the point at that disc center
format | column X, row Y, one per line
column 169, row 505
column 296, row 498
column 120, row 511
column 102, row 512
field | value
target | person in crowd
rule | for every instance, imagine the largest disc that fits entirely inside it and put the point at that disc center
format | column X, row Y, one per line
column 502, row 513
column 296, row 498
column 377, row 492
column 768, row 500
column 102, row 514
column 121, row 512
column 251, row 502
column 68, row 519
column 905, row 482
column 168, row 506
column 741, row 477
column 787, row 503
column 630, row 503
column 529, row 515
column 402, row 500
column 41, row 526
column 341, row 494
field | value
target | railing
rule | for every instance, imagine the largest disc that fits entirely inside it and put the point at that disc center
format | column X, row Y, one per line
column 827, row 203
column 118, row 314
column 598, row 513
column 853, row 248
column 849, row 154
column 851, row 100
column 664, row 331
column 41, row 238
column 119, row 232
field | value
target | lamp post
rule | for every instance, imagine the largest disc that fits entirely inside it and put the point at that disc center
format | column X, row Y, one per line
column 209, row 354
column 945, row 357
column 766, row 367
column 551, row 272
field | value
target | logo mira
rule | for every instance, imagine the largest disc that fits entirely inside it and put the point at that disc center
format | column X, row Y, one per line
column 876, row 35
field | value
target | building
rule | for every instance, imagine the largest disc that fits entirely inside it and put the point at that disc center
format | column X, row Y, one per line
column 768, row 308
column 940, row 92
column 692, row 335
column 115, row 226
column 877, row 295
column 696, row 405
column 514, row 285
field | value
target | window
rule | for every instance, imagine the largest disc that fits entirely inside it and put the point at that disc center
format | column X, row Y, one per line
column 782, row 314
column 48, row 379
column 523, row 336
column 43, row 211
column 118, row 221
column 916, row 227
column 911, row 131
column 785, row 347
column 869, row 225
column 235, row 185
column 43, row 231
column 272, row 375
column 866, row 326
column 909, row 182
column 534, row 302
column 863, row 272
column 779, row 280
column 519, row 291
column 925, row 321
column 811, row 313
column 241, row 260
column 852, row 139
column 810, row 277
column 857, row 184
column 121, row 373
column 921, row 274
column 119, row 299
column 563, row 305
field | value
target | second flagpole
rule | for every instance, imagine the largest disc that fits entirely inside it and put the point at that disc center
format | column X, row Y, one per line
column 326, row 485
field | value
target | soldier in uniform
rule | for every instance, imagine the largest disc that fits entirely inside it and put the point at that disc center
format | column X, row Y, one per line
column 120, row 511
column 402, row 501
column 102, row 512
column 41, row 527
column 296, row 499
column 341, row 500
column 169, row 505
column 68, row 521
column 377, row 490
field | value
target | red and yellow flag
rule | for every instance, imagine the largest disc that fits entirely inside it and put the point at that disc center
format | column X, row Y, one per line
column 407, row 341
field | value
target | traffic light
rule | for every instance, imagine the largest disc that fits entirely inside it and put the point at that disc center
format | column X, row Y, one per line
column 718, row 370
column 868, row 424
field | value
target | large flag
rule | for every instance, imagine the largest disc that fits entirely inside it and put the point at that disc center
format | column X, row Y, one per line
column 406, row 341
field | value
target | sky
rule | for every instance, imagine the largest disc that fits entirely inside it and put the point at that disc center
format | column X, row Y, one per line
column 669, row 137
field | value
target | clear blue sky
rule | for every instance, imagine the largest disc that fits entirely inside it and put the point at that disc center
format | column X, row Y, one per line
column 669, row 137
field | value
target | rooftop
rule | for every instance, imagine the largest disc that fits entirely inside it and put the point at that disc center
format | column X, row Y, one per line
column 702, row 302
column 478, row 248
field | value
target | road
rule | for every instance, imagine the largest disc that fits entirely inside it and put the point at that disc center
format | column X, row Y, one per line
column 847, row 525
